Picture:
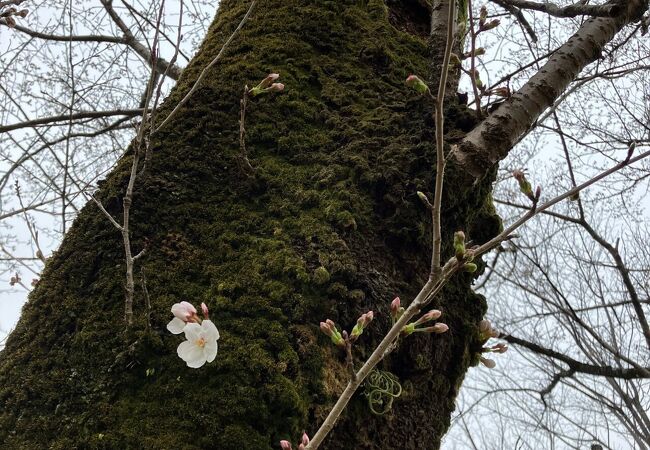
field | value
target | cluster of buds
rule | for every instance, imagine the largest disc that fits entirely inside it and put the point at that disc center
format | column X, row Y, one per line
column 267, row 85
column 487, row 331
column 462, row 255
column 419, row 86
column 304, row 441
column 329, row 329
column 7, row 16
column 14, row 280
column 341, row 339
column 525, row 186
column 429, row 316
column 483, row 24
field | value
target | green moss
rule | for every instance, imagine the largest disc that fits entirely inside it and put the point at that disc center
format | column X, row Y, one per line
column 321, row 275
column 328, row 226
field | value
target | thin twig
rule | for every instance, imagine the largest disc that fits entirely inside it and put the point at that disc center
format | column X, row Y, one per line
column 440, row 155
column 206, row 69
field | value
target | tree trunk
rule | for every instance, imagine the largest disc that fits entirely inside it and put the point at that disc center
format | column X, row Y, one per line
column 328, row 226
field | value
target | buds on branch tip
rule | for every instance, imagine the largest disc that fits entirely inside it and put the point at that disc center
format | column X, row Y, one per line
column 429, row 316
column 267, row 85
column 285, row 445
column 470, row 267
column 483, row 15
column 525, row 186
column 396, row 309
column 362, row 323
column 329, row 329
column 489, row 25
column 490, row 364
column 14, row 280
column 415, row 83
column 8, row 15
column 459, row 245
column 434, row 314
column 497, row 348
column 486, row 330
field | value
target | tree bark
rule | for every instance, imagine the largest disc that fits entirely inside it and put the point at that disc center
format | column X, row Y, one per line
column 328, row 226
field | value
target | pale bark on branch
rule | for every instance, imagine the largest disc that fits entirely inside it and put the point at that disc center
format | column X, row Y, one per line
column 495, row 136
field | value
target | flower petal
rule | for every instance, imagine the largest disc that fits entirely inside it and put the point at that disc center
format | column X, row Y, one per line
column 210, row 330
column 189, row 352
column 210, row 350
column 196, row 363
column 176, row 326
column 192, row 331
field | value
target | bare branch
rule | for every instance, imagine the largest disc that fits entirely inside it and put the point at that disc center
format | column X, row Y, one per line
column 577, row 366
column 162, row 66
column 68, row 117
column 576, row 9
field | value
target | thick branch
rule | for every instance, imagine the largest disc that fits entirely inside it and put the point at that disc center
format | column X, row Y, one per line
column 493, row 138
column 577, row 366
column 162, row 66
column 576, row 9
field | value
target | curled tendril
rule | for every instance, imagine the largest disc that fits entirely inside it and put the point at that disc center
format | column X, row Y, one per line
column 381, row 389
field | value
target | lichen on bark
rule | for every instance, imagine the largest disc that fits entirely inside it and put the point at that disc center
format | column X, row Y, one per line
column 338, row 158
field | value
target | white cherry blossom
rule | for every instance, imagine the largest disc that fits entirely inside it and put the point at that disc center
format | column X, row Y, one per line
column 201, row 344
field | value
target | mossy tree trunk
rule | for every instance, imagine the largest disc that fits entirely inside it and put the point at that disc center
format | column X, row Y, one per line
column 328, row 226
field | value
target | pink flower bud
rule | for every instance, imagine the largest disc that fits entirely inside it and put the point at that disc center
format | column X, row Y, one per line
column 484, row 326
column 440, row 328
column 414, row 82
column 285, row 445
column 500, row 348
column 204, row 309
column 434, row 314
column 324, row 327
column 270, row 78
column 301, row 447
column 492, row 24
column 394, row 307
column 275, row 87
column 184, row 311
column 488, row 363
column 305, row 438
